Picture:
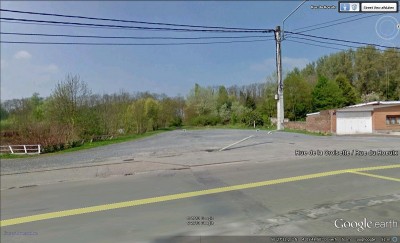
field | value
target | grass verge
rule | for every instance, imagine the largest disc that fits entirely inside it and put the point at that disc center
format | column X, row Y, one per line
column 306, row 132
column 89, row 145
column 241, row 127
column 17, row 156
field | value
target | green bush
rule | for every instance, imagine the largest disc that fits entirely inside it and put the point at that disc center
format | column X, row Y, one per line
column 206, row 120
column 176, row 122
column 252, row 116
column 234, row 119
column 267, row 121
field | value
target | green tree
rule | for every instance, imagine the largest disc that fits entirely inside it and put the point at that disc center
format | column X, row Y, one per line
column 223, row 97
column 239, row 111
column 337, row 63
column 250, row 102
column 224, row 113
column 251, row 117
column 89, row 123
column 3, row 113
column 152, row 109
column 349, row 93
column 367, row 67
column 327, row 95
column 139, row 118
column 370, row 97
column 390, row 74
column 309, row 73
column 171, row 111
column 202, row 106
column 298, row 97
column 267, row 106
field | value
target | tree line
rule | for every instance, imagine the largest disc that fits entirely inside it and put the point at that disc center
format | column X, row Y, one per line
column 72, row 113
column 342, row 79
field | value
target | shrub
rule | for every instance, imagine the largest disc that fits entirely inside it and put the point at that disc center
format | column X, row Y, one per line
column 252, row 116
column 206, row 120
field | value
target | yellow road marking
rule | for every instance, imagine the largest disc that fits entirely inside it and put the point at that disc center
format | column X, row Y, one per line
column 376, row 176
column 105, row 207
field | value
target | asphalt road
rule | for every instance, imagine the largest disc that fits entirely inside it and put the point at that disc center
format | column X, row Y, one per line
column 182, row 186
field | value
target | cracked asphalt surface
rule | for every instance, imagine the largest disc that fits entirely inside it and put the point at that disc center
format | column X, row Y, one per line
column 177, row 162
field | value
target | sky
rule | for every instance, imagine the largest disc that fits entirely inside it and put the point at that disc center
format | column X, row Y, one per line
column 172, row 70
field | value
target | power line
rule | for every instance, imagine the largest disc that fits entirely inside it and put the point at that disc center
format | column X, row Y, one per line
column 333, row 39
column 363, row 17
column 141, row 27
column 131, row 37
column 323, row 42
column 330, row 43
column 130, row 44
column 71, row 25
column 344, row 22
column 63, row 25
column 316, row 45
column 327, row 22
column 127, row 21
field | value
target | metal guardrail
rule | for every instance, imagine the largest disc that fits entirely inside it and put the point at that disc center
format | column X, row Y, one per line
column 20, row 149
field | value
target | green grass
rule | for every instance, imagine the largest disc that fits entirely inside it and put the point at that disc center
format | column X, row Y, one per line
column 271, row 128
column 89, row 145
column 229, row 126
column 120, row 139
column 17, row 156
column 241, row 126
column 306, row 132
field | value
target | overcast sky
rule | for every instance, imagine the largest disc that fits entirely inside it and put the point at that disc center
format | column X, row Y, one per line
column 173, row 70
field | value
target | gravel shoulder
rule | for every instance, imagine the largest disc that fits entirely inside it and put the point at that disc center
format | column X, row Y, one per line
column 180, row 149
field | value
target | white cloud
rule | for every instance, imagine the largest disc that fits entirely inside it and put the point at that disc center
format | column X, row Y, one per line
column 22, row 79
column 288, row 63
column 22, row 55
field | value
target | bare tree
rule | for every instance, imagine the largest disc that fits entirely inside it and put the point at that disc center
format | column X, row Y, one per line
column 68, row 101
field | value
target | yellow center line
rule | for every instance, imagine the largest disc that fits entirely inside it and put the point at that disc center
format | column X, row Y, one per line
column 376, row 176
column 105, row 207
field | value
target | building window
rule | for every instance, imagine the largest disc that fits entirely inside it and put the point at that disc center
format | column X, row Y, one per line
column 392, row 120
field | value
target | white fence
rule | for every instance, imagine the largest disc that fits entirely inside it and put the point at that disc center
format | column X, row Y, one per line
column 20, row 149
